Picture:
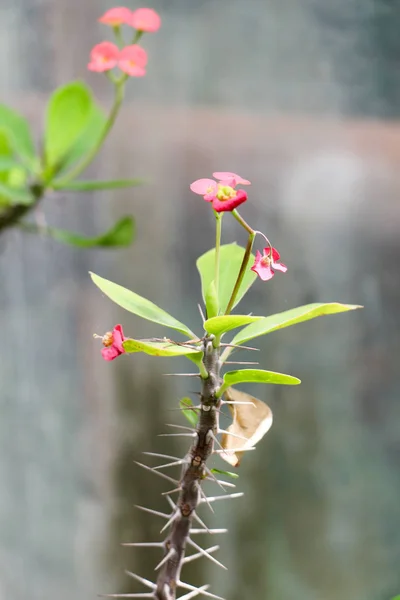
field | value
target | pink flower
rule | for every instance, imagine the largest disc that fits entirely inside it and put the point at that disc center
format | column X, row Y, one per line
column 117, row 16
column 103, row 57
column 221, row 193
column 112, row 342
column 267, row 263
column 145, row 19
column 132, row 60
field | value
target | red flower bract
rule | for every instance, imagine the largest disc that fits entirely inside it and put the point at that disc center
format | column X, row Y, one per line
column 112, row 342
column 103, row 57
column 222, row 193
column 267, row 263
column 145, row 19
column 117, row 16
column 132, row 60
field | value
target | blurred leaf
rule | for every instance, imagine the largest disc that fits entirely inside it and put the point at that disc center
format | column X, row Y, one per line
column 138, row 305
column 231, row 257
column 86, row 186
column 68, row 114
column 191, row 414
column 16, row 195
column 288, row 318
column 87, row 140
column 228, row 473
column 211, row 300
column 224, row 323
column 7, row 163
column 157, row 348
column 255, row 376
column 19, row 133
column 121, row 234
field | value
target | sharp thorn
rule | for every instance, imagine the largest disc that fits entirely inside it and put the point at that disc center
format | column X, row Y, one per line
column 192, row 429
column 181, row 374
column 152, row 512
column 157, row 454
column 187, row 586
column 212, row 531
column 178, row 489
column 171, row 520
column 216, row 440
column 172, row 464
column 171, row 503
column 205, row 499
column 192, row 435
column 166, row 558
column 144, row 544
column 199, row 554
column 242, row 347
column 240, row 362
column 205, row 553
column 143, row 595
column 175, row 481
column 229, row 452
column 234, row 402
column 201, row 313
column 235, row 435
column 224, row 497
column 145, row 582
column 200, row 522
column 211, row 474
column 195, row 593
column 227, row 483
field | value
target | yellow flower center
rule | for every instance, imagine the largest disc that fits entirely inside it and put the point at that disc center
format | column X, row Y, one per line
column 225, row 192
column 266, row 260
column 108, row 339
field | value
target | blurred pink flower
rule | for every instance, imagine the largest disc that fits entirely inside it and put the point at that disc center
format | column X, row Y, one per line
column 103, row 57
column 145, row 19
column 222, row 193
column 117, row 16
column 132, row 60
column 266, row 264
column 112, row 342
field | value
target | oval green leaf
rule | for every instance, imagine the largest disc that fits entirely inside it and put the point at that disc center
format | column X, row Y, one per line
column 16, row 195
column 138, row 305
column 18, row 131
column 157, row 348
column 211, row 300
column 290, row 317
column 188, row 411
column 255, row 376
column 68, row 113
column 231, row 257
column 224, row 323
column 88, row 186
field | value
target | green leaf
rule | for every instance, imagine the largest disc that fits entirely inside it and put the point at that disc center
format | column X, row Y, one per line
column 138, row 305
column 191, row 415
column 87, row 186
column 19, row 133
column 211, row 300
column 16, row 195
column 231, row 257
column 288, row 318
column 224, row 323
column 7, row 163
column 255, row 376
column 228, row 473
column 87, row 140
column 68, row 113
column 121, row 234
column 157, row 348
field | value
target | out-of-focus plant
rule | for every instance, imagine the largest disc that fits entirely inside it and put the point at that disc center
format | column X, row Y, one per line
column 75, row 130
column 226, row 276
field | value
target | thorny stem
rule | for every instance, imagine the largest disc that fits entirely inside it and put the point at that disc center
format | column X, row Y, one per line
column 193, row 472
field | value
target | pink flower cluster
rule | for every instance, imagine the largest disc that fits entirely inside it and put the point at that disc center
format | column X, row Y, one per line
column 221, row 193
column 132, row 59
column 112, row 342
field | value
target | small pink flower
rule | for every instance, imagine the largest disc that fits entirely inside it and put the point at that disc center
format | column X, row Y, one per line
column 117, row 16
column 145, row 19
column 103, row 57
column 132, row 60
column 112, row 342
column 267, row 263
column 222, row 193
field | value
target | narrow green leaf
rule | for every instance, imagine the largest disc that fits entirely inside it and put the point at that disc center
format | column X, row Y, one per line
column 211, row 300
column 255, row 376
column 87, row 140
column 228, row 473
column 19, row 133
column 224, row 323
column 7, row 163
column 187, row 410
column 138, row 305
column 68, row 113
column 87, row 186
column 16, row 195
column 288, row 318
column 121, row 234
column 231, row 257
column 157, row 348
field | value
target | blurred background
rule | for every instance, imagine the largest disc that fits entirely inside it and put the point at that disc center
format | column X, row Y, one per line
column 302, row 97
